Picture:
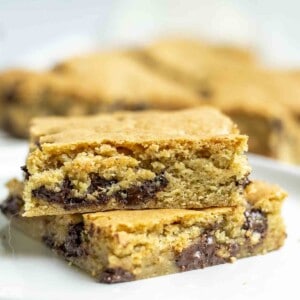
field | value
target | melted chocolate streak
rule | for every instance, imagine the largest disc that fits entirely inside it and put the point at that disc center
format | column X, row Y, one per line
column 200, row 255
column 131, row 196
column 204, row 253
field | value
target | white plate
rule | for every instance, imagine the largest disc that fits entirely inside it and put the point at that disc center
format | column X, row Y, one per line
column 30, row 271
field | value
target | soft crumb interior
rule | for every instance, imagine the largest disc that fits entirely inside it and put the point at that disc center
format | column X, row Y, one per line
column 193, row 174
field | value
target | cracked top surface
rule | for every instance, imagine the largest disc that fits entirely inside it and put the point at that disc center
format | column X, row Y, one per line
column 191, row 124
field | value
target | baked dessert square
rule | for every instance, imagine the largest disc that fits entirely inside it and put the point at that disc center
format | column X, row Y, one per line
column 103, row 82
column 262, row 102
column 118, row 246
column 271, row 128
column 191, row 158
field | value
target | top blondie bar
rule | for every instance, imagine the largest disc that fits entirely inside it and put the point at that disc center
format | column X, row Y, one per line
column 192, row 158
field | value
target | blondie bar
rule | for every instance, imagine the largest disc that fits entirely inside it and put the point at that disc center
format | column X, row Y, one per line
column 120, row 246
column 191, row 158
column 286, row 88
column 260, row 101
column 113, row 82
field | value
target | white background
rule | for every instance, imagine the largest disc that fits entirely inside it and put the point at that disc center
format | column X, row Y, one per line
column 38, row 32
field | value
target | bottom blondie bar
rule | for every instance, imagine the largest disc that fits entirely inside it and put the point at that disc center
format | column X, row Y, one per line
column 120, row 246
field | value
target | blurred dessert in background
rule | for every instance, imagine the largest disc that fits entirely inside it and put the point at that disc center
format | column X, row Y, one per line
column 168, row 74
column 97, row 83
column 263, row 102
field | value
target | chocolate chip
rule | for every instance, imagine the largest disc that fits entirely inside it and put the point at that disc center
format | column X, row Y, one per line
column 72, row 245
column 12, row 205
column 62, row 197
column 99, row 183
column 200, row 255
column 233, row 249
column 244, row 182
column 116, row 275
column 142, row 193
column 59, row 197
column 256, row 221
column 26, row 172
column 98, row 188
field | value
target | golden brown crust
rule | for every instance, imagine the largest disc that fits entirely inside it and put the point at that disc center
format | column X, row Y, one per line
column 138, row 127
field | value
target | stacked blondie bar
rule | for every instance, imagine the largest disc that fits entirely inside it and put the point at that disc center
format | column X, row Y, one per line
column 132, row 195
